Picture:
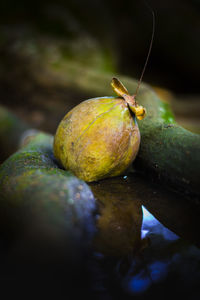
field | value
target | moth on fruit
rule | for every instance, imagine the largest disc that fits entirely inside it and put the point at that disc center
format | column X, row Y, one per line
column 100, row 138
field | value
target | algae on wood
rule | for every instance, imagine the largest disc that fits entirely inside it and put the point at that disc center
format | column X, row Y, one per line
column 43, row 205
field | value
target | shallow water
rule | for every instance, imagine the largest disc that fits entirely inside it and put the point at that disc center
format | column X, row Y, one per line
column 165, row 257
column 169, row 265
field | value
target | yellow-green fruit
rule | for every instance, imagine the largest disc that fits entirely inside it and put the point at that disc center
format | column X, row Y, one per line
column 98, row 138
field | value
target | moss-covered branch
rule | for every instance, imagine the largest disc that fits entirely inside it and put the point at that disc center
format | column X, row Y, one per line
column 167, row 150
column 44, row 206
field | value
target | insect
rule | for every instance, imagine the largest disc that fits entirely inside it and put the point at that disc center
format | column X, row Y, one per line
column 100, row 138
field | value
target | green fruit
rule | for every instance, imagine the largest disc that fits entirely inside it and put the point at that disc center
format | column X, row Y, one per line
column 98, row 138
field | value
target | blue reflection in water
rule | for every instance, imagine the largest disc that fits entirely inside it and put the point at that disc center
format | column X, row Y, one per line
column 139, row 283
column 158, row 270
column 152, row 269
column 168, row 262
column 151, row 225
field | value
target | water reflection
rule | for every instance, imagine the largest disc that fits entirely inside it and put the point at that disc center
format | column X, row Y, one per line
column 167, row 263
column 174, row 211
column 142, row 275
column 152, row 227
column 119, row 224
column 160, row 229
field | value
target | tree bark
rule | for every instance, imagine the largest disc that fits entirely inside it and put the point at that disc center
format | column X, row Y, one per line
column 45, row 205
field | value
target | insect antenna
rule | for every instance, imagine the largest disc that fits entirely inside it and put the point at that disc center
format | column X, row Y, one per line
column 150, row 47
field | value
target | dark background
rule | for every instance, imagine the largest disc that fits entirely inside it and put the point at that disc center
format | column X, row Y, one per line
column 123, row 29
column 107, row 36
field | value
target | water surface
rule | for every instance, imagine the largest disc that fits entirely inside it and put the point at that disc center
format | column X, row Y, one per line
column 162, row 259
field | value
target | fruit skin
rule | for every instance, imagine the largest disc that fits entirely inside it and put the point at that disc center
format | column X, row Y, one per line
column 98, row 138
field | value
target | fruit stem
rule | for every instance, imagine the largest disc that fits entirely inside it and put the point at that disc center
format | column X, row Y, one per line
column 121, row 91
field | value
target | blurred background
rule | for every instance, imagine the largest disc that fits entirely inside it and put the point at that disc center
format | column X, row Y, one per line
column 49, row 52
column 105, row 36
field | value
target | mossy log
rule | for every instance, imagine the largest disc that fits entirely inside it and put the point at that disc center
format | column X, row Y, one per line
column 47, row 222
column 168, row 150
column 43, row 205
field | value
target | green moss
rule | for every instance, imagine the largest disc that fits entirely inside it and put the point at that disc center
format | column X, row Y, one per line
column 166, row 113
column 35, row 193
